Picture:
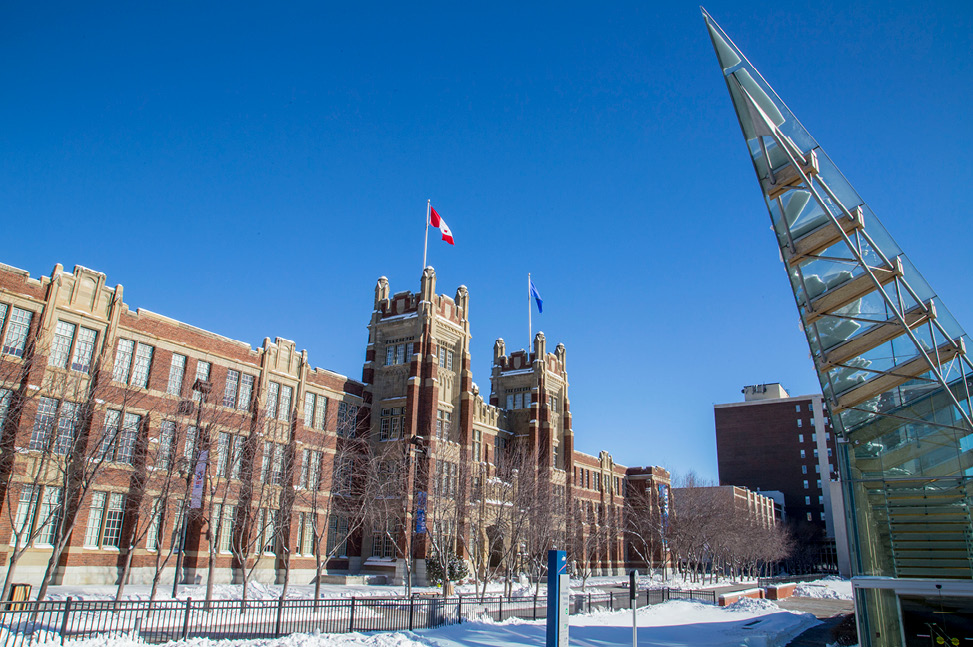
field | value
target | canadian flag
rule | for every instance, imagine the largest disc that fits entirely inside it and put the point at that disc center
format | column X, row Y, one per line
column 436, row 221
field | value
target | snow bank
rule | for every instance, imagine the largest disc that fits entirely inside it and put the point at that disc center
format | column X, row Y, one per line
column 833, row 588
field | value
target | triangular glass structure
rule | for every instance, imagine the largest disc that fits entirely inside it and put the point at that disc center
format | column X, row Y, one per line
column 891, row 360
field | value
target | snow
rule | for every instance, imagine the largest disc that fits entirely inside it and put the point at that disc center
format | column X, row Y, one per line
column 757, row 623
column 832, row 588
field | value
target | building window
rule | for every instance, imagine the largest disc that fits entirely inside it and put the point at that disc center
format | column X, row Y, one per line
column 177, row 371
column 383, row 540
column 803, row 454
column 246, row 391
column 189, row 451
column 809, row 516
column 125, row 371
column 84, row 350
column 273, row 393
column 805, row 484
column 443, row 424
column 272, row 466
column 226, row 528
column 800, row 423
column 442, row 357
column 106, row 516
column 337, row 535
column 820, row 500
column 118, row 442
column 499, row 450
column 822, row 516
column 237, row 457
column 167, row 436
column 310, row 469
column 230, row 389
column 152, row 534
column 800, row 438
column 819, row 484
column 45, row 510
column 392, row 423
column 807, row 500
column 17, row 326
column 143, row 364
column 477, row 444
column 797, row 408
column 123, row 360
column 553, row 403
column 49, row 413
column 814, row 438
column 557, row 456
column 510, row 401
column 202, row 375
column 61, row 344
column 449, row 360
column 286, row 397
column 309, row 401
column 6, row 395
column 398, row 354
column 817, row 468
column 347, row 419
column 803, row 469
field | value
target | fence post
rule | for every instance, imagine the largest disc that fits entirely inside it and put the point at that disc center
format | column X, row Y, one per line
column 535, row 606
column 589, row 602
column 459, row 610
column 611, row 600
column 500, row 616
column 185, row 622
column 280, row 617
column 64, row 619
column 351, row 616
column 412, row 608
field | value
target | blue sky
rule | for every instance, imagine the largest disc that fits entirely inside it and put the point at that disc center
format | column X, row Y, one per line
column 252, row 169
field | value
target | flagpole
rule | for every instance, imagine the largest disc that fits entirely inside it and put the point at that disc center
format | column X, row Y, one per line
column 425, row 246
column 530, row 325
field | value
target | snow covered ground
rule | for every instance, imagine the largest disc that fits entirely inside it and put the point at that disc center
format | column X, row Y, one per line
column 834, row 588
column 749, row 622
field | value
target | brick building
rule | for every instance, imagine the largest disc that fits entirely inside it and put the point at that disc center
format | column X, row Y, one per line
column 113, row 419
column 784, row 447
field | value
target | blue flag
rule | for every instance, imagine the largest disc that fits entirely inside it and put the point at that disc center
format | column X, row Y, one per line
column 537, row 296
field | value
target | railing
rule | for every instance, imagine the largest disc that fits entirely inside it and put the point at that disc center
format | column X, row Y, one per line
column 25, row 623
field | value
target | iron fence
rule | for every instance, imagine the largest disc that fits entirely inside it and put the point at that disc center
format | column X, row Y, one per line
column 31, row 622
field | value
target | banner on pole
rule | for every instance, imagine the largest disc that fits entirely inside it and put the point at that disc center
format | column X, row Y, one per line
column 199, row 478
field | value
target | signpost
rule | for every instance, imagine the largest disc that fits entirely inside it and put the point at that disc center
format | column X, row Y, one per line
column 558, row 597
column 633, row 594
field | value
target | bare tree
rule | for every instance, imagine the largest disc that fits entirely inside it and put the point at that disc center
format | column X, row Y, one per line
column 643, row 523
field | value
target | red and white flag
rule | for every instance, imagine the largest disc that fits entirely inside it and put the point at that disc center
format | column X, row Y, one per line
column 436, row 221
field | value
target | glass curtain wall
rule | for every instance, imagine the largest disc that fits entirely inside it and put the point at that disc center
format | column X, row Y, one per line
column 890, row 358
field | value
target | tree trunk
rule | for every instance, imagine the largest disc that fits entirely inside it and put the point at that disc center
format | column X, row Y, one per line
column 126, row 568
column 287, row 575
column 11, row 569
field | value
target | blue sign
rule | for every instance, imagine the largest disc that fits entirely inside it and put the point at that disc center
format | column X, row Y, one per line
column 420, row 522
column 558, row 596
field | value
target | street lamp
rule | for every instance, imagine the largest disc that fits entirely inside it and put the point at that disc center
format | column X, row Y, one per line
column 415, row 444
column 202, row 387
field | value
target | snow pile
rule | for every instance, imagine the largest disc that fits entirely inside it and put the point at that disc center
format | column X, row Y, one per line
column 832, row 588
column 750, row 605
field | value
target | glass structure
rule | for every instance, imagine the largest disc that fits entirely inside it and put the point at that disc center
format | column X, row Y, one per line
column 893, row 369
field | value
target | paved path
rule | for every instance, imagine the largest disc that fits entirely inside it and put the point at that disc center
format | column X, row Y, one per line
column 830, row 612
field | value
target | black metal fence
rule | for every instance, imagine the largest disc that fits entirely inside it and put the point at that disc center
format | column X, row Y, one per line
column 25, row 623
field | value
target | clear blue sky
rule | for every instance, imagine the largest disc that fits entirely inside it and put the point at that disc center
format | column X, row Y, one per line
column 252, row 169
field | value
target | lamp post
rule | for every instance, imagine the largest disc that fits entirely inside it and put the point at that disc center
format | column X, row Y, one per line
column 202, row 387
column 415, row 444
